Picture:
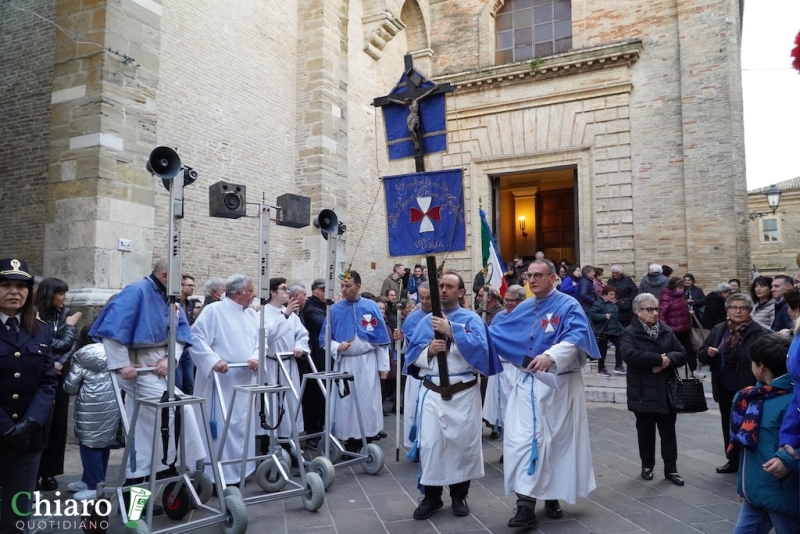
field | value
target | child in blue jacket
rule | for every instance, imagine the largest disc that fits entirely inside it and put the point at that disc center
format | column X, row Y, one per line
column 758, row 411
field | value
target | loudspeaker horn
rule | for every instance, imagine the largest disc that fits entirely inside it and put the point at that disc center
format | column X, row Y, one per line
column 164, row 163
column 327, row 222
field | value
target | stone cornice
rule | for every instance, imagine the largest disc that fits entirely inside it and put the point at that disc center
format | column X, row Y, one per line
column 573, row 62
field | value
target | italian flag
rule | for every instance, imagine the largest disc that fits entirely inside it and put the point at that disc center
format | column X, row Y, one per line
column 492, row 263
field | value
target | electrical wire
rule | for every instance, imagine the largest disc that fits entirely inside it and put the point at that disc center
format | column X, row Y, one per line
column 69, row 33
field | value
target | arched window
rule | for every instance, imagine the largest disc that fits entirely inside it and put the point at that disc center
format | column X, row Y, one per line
column 525, row 29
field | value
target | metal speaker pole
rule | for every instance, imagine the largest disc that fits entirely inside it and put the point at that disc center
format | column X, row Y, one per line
column 263, row 284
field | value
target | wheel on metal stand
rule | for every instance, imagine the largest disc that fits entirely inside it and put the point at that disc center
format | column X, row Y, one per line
column 324, row 468
column 374, row 461
column 236, row 515
column 232, row 490
column 285, row 457
column 92, row 523
column 202, row 485
column 269, row 477
column 315, row 493
column 335, row 452
column 140, row 528
column 176, row 504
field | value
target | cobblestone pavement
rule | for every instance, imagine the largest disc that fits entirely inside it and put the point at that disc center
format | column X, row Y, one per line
column 359, row 503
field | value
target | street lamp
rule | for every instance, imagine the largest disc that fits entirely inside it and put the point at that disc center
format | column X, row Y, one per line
column 773, row 195
column 521, row 220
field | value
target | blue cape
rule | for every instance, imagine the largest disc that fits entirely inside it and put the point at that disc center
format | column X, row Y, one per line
column 411, row 322
column 139, row 317
column 470, row 335
column 348, row 320
column 537, row 324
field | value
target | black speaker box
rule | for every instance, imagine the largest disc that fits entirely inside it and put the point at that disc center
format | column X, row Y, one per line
column 227, row 200
column 295, row 211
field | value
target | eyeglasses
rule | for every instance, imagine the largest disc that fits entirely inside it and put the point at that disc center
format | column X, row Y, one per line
column 509, row 301
column 537, row 276
column 738, row 308
column 652, row 310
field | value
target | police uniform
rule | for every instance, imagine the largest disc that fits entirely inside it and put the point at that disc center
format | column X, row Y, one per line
column 27, row 390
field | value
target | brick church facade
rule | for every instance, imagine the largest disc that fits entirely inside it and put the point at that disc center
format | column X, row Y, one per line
column 614, row 128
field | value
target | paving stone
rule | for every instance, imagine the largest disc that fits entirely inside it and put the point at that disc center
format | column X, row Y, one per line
column 358, row 503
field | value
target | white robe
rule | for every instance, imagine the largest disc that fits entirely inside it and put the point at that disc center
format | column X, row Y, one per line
column 498, row 388
column 144, row 386
column 411, row 395
column 284, row 335
column 365, row 361
column 449, row 432
column 563, row 469
column 226, row 331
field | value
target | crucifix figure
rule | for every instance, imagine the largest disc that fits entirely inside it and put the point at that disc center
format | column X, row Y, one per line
column 411, row 98
column 413, row 115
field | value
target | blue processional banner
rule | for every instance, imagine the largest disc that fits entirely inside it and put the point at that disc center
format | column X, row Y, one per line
column 432, row 124
column 425, row 213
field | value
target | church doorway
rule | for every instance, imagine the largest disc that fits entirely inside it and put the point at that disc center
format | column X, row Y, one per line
column 537, row 210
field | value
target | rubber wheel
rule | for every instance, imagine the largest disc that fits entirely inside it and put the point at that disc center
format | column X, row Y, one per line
column 314, row 497
column 324, row 468
column 181, row 502
column 269, row 478
column 286, row 457
column 335, row 452
column 203, row 486
column 236, row 515
column 374, row 461
column 232, row 490
column 140, row 528
column 95, row 519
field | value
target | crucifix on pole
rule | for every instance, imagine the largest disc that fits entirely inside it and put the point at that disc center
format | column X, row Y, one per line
column 411, row 98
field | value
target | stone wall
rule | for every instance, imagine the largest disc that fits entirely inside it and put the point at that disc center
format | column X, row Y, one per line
column 26, row 81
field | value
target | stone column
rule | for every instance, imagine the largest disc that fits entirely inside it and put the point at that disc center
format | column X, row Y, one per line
column 102, row 130
column 717, row 239
column 322, row 80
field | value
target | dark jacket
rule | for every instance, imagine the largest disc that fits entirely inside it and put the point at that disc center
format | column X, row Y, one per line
column 715, row 312
column 744, row 371
column 782, row 319
column 598, row 316
column 494, row 310
column 653, row 283
column 27, row 373
column 569, row 286
column 64, row 335
column 626, row 291
column 674, row 310
column 697, row 296
column 314, row 312
column 586, row 294
column 647, row 391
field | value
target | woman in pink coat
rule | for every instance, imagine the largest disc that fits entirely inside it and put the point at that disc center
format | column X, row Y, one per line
column 675, row 313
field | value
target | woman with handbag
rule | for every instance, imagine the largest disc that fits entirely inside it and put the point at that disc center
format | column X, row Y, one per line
column 727, row 352
column 652, row 352
column 605, row 322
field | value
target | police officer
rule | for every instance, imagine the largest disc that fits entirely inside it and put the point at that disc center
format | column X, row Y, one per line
column 27, row 390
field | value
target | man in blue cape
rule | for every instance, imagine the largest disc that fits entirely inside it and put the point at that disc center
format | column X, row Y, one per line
column 134, row 329
column 359, row 345
column 448, row 437
column 546, row 436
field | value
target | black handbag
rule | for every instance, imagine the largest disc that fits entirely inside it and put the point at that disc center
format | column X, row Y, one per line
column 601, row 331
column 686, row 395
